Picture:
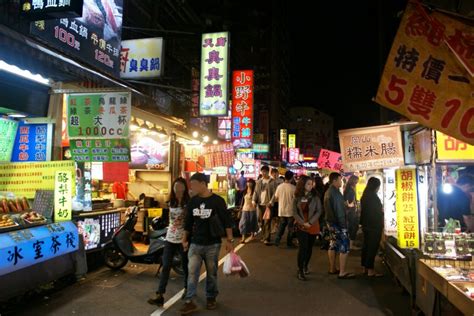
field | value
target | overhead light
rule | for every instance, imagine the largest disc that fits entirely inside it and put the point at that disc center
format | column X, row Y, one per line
column 215, row 142
column 133, row 124
column 23, row 73
column 16, row 115
column 205, row 139
column 448, row 188
column 195, row 134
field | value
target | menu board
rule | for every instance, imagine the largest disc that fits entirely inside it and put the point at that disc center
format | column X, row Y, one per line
column 7, row 128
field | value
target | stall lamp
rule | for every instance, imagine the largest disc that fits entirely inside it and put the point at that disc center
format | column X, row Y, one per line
column 23, row 73
column 195, row 134
column 205, row 139
column 144, row 128
column 16, row 115
column 215, row 142
column 134, row 125
column 447, row 188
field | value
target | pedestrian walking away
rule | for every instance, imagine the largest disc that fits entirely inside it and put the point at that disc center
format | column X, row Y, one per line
column 337, row 226
column 307, row 210
column 248, row 224
column 372, row 225
column 351, row 210
column 177, row 204
column 285, row 195
column 264, row 191
column 206, row 217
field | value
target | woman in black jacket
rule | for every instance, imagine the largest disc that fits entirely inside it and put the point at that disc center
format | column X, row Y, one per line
column 371, row 219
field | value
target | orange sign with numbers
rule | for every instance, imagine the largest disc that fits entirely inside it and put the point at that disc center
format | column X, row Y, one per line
column 427, row 76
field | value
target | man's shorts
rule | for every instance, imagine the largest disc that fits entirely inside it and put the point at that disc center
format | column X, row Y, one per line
column 339, row 240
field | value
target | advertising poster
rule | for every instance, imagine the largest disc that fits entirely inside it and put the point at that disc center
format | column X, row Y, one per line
column 149, row 152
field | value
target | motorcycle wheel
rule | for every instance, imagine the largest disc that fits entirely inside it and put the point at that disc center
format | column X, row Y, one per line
column 114, row 259
column 177, row 265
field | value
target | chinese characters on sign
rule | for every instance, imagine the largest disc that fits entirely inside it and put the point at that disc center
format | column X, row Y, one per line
column 371, row 148
column 407, row 208
column 449, row 148
column 330, row 160
column 242, row 108
column 141, row 58
column 200, row 122
column 291, row 140
column 99, row 115
column 50, row 9
column 63, row 197
column 9, row 129
column 221, row 155
column 214, row 64
column 100, row 150
column 21, row 249
column 428, row 77
column 24, row 179
column 31, row 143
column 283, row 137
column 389, row 204
column 95, row 37
column 293, row 155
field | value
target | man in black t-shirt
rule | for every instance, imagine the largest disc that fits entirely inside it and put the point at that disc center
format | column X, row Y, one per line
column 204, row 246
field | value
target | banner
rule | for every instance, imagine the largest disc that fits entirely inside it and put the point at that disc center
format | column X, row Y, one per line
column 260, row 148
column 424, row 79
column 389, row 203
column 283, row 137
column 330, row 160
column 25, row 178
column 149, row 152
column 94, row 38
column 293, row 155
column 407, row 209
column 451, row 149
column 141, row 58
column 371, row 148
column 242, row 108
column 194, row 120
column 100, row 150
column 214, row 67
column 99, row 115
column 51, row 9
column 291, row 141
column 27, row 247
column 31, row 143
column 63, row 196
column 9, row 129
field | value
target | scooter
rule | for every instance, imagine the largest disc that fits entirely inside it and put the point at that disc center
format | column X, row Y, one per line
column 120, row 249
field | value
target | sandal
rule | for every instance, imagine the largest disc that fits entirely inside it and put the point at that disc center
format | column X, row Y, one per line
column 347, row 276
column 333, row 273
column 376, row 275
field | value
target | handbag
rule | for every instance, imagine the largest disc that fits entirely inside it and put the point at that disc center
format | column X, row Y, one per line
column 216, row 228
column 267, row 214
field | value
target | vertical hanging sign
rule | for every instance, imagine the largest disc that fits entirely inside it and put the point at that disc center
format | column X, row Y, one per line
column 214, row 66
column 242, row 108
column 63, row 196
column 407, row 208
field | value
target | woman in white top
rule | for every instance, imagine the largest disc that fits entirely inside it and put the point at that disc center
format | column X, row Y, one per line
column 177, row 205
column 248, row 221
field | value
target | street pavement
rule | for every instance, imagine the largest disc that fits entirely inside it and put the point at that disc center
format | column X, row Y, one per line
column 271, row 289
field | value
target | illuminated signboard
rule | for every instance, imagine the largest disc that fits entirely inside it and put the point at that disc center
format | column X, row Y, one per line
column 242, row 108
column 147, row 53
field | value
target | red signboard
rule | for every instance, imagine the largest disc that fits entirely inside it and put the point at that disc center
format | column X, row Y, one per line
column 330, row 160
column 294, row 155
column 242, row 108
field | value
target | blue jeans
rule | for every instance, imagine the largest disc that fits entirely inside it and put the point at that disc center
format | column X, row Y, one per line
column 196, row 255
column 168, row 254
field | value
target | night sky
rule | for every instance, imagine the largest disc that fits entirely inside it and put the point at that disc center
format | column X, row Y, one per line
column 340, row 76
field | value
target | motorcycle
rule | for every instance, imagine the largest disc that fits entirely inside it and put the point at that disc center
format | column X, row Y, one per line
column 120, row 249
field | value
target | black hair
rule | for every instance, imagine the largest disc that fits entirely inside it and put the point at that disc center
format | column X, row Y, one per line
column 333, row 177
column 142, row 197
column 289, row 175
column 199, row 177
column 264, row 168
column 372, row 185
column 173, row 199
column 242, row 172
column 275, row 170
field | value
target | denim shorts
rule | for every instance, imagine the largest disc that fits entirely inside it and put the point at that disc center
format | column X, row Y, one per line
column 339, row 239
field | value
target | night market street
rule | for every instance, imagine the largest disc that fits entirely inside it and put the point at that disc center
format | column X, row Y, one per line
column 271, row 289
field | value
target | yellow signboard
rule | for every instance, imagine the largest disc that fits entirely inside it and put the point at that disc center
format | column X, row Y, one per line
column 449, row 148
column 427, row 75
column 360, row 187
column 63, row 196
column 25, row 178
column 407, row 209
column 292, row 141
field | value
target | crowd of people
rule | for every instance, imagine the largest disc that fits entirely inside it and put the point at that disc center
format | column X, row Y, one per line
column 304, row 208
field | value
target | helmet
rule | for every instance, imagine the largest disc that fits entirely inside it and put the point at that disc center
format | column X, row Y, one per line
column 158, row 223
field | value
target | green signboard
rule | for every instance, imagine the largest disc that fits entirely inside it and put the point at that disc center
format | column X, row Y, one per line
column 261, row 148
column 99, row 115
column 100, row 150
column 8, row 130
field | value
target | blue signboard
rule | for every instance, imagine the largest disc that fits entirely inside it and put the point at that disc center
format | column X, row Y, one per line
column 31, row 143
column 23, row 248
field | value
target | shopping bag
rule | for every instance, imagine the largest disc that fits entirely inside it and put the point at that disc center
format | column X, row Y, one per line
column 227, row 267
column 245, row 272
column 267, row 214
column 233, row 265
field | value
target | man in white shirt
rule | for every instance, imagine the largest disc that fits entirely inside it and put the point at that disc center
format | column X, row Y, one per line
column 285, row 194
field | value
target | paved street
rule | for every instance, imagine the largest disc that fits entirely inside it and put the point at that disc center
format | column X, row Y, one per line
column 271, row 289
